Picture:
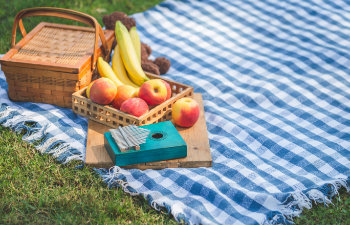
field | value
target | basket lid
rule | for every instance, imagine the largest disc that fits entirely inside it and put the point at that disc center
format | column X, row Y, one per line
column 55, row 47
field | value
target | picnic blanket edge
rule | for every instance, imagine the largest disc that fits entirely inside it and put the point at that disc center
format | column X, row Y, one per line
column 291, row 205
column 34, row 132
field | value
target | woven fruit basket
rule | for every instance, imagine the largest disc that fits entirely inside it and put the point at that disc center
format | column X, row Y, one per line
column 53, row 60
column 113, row 118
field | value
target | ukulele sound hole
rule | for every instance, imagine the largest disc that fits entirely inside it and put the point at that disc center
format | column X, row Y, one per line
column 157, row 135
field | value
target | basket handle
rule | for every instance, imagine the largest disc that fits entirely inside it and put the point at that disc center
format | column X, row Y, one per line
column 62, row 13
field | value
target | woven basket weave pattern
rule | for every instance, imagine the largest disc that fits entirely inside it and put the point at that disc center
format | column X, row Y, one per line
column 114, row 118
column 39, row 86
column 56, row 45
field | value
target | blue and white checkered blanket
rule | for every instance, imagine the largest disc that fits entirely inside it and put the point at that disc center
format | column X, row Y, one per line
column 274, row 76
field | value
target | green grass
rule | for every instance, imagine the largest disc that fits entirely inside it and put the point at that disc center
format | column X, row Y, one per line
column 96, row 8
column 34, row 188
column 338, row 213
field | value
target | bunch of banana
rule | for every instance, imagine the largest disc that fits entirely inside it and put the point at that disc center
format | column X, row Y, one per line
column 130, row 51
column 117, row 74
column 126, row 60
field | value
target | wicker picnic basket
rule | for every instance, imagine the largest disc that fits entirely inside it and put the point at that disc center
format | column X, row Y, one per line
column 53, row 60
column 113, row 118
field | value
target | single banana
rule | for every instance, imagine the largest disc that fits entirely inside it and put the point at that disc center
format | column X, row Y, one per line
column 136, row 94
column 106, row 70
column 128, row 54
column 136, row 42
column 88, row 89
column 119, row 69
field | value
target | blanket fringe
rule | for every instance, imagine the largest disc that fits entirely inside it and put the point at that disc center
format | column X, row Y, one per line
column 297, row 201
column 291, row 207
column 114, row 177
column 36, row 133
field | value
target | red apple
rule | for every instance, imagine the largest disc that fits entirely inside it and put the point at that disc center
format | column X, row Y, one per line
column 124, row 93
column 134, row 106
column 168, row 88
column 185, row 112
column 103, row 91
column 153, row 92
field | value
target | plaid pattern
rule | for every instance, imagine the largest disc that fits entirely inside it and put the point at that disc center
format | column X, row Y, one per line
column 274, row 79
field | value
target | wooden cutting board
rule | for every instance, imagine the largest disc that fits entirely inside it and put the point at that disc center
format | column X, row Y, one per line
column 196, row 138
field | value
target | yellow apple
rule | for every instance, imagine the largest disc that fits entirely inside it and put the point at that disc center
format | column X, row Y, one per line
column 185, row 112
column 154, row 92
